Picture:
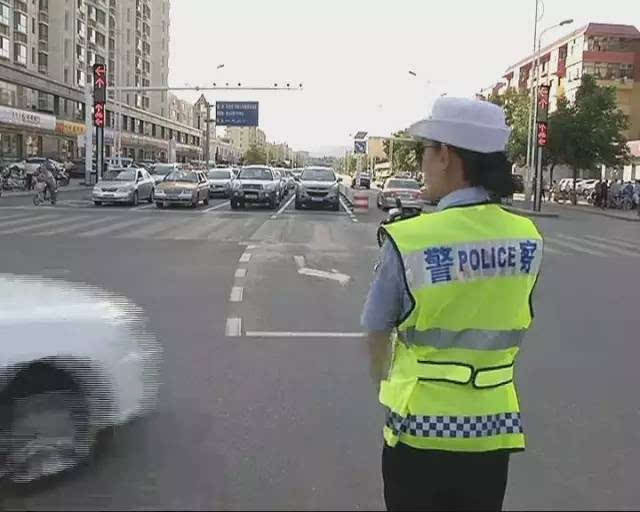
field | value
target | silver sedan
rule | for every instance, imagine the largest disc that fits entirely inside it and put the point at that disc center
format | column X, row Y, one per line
column 406, row 190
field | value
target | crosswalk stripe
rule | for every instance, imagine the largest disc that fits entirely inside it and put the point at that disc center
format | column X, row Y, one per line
column 552, row 250
column 624, row 243
column 599, row 245
column 575, row 247
column 74, row 226
column 152, row 228
column 13, row 217
column 198, row 229
column 42, row 228
column 113, row 227
column 23, row 220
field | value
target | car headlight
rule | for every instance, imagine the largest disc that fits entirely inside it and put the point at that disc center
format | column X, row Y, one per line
column 159, row 192
column 301, row 189
column 270, row 187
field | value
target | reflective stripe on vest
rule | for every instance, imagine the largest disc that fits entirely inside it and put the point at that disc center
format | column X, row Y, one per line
column 475, row 339
column 461, row 373
column 455, row 426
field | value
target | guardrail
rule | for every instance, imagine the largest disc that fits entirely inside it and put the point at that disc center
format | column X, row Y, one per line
column 345, row 188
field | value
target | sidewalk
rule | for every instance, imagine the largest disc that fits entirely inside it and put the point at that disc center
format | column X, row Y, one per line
column 631, row 216
column 73, row 186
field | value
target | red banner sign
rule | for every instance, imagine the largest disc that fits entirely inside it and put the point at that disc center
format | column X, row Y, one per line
column 99, row 115
column 543, row 134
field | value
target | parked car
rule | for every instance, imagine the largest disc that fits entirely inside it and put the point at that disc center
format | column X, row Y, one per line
column 318, row 186
column 220, row 181
column 407, row 190
column 159, row 171
column 81, row 360
column 362, row 179
column 584, row 187
column 125, row 185
column 182, row 187
column 256, row 184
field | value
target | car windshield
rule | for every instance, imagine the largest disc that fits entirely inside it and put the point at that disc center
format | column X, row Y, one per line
column 219, row 175
column 317, row 175
column 403, row 184
column 162, row 169
column 120, row 175
column 256, row 173
column 187, row 176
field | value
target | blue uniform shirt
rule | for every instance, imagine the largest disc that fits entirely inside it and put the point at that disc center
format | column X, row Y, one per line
column 388, row 299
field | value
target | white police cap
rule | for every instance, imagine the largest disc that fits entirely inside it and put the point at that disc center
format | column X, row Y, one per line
column 475, row 125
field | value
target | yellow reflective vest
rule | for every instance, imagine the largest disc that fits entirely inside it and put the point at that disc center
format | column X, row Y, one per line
column 470, row 272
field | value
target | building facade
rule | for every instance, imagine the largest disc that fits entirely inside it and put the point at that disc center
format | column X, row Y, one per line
column 609, row 52
column 47, row 50
column 243, row 137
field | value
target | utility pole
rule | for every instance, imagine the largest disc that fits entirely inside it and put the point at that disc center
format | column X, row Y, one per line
column 207, row 137
column 530, row 135
column 88, row 134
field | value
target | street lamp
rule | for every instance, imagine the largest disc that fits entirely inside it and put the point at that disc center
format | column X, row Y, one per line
column 538, row 172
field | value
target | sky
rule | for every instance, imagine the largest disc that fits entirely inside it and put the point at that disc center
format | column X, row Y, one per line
column 353, row 56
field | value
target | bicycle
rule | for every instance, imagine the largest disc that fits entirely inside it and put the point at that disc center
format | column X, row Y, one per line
column 42, row 194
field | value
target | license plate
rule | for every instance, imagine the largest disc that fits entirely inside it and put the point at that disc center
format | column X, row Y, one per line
column 317, row 199
column 107, row 195
column 251, row 195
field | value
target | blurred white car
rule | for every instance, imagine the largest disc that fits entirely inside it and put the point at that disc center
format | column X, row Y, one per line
column 75, row 359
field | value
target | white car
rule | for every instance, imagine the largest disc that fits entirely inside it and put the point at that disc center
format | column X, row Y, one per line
column 126, row 185
column 75, row 359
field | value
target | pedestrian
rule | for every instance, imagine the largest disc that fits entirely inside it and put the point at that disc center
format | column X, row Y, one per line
column 29, row 174
column 45, row 175
column 605, row 194
column 543, row 190
column 451, row 301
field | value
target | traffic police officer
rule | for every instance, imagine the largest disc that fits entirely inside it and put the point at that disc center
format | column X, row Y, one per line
column 453, row 290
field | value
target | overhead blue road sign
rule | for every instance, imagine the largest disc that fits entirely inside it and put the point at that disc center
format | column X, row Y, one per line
column 237, row 113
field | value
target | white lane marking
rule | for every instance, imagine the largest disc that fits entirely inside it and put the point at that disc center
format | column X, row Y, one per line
column 234, row 327
column 577, row 248
column 349, row 212
column 237, row 293
column 198, row 228
column 113, row 227
column 143, row 207
column 599, row 245
column 246, row 256
column 24, row 220
column 14, row 216
column 221, row 205
column 40, row 229
column 299, row 261
column 624, row 243
column 323, row 274
column 547, row 248
column 240, row 273
column 37, row 225
column 151, row 229
column 76, row 227
column 251, row 246
column 286, row 205
column 286, row 334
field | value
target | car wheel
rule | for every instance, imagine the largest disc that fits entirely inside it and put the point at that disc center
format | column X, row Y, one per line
column 206, row 200
column 98, row 203
column 159, row 204
column 272, row 204
column 46, row 428
column 234, row 205
column 151, row 194
column 194, row 202
column 134, row 201
column 336, row 207
column 298, row 205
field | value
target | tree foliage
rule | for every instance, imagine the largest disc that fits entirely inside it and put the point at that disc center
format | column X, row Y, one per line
column 516, row 105
column 255, row 155
column 407, row 155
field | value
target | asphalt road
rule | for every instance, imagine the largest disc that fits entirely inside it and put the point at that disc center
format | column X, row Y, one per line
column 266, row 400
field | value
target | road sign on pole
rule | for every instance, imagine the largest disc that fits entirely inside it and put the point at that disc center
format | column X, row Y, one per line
column 237, row 113
column 542, row 131
column 99, row 113
column 360, row 146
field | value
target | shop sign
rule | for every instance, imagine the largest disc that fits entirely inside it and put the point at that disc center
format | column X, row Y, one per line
column 70, row 129
column 28, row 118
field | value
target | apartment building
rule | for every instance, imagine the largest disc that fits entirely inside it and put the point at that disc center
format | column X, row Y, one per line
column 609, row 52
column 47, row 50
column 243, row 137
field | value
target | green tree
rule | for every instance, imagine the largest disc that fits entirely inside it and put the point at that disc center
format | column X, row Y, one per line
column 255, row 155
column 516, row 105
column 407, row 155
column 590, row 131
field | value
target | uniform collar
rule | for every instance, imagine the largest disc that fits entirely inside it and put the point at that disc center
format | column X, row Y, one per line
column 463, row 197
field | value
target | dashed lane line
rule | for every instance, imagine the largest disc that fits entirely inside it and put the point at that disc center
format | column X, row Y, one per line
column 578, row 248
column 233, row 327
column 245, row 258
column 241, row 273
column 286, row 205
column 600, row 245
column 310, row 334
column 237, row 293
column 221, row 205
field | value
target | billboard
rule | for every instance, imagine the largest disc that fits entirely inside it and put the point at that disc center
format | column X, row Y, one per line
column 237, row 113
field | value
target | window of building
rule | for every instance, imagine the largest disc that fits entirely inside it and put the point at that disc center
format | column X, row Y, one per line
column 33, row 25
column 101, row 40
column 33, row 55
column 67, row 45
column 43, row 5
column 43, row 62
column 129, row 14
column 20, row 22
column 79, row 3
column 101, row 17
column 79, row 53
column 128, row 36
column 4, row 14
column 80, row 78
column 99, row 59
column 92, row 35
column 80, row 28
column 66, row 75
column 4, row 47
column 20, row 54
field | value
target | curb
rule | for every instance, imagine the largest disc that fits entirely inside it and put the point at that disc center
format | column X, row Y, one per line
column 602, row 213
column 530, row 213
column 74, row 188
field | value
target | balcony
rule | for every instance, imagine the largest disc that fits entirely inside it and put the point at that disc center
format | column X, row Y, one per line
column 43, row 46
column 43, row 68
column 20, row 6
column 43, row 17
